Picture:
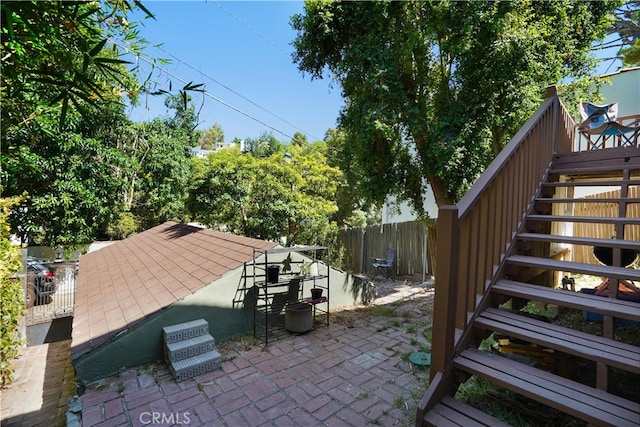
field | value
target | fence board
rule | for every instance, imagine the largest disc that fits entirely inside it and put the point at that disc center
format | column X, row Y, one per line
column 414, row 242
column 603, row 231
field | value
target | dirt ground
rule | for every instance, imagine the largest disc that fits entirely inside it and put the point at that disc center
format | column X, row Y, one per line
column 406, row 297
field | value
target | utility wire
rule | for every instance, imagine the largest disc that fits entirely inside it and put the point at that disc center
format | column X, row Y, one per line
column 274, row 45
column 249, row 27
column 203, row 74
column 204, row 92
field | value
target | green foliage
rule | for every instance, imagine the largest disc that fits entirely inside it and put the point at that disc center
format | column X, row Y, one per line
column 269, row 198
column 124, row 226
column 626, row 27
column 631, row 55
column 11, row 294
column 69, row 177
column 354, row 207
column 66, row 140
column 62, row 89
column 212, row 137
column 102, row 165
column 185, row 118
column 55, row 56
column 435, row 89
column 263, row 146
column 158, row 170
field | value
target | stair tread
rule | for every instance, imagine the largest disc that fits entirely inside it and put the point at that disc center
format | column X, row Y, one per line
column 597, row 304
column 184, row 349
column 589, row 200
column 598, row 183
column 195, row 365
column 589, row 404
column 199, row 323
column 200, row 358
column 576, row 267
column 452, row 412
column 186, row 330
column 590, row 170
column 587, row 241
column 591, row 219
column 202, row 339
column 592, row 347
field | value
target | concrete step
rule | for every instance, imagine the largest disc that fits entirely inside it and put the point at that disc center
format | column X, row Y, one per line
column 196, row 365
column 185, row 331
column 188, row 348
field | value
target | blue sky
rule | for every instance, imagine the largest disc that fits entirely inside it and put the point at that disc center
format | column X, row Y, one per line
column 241, row 52
column 242, row 47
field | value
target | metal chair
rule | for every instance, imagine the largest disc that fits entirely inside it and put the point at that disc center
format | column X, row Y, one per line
column 617, row 134
column 601, row 128
column 385, row 266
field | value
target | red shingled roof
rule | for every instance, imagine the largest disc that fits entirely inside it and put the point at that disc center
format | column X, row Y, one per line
column 121, row 284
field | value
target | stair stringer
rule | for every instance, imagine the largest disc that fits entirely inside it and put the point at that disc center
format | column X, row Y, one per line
column 447, row 383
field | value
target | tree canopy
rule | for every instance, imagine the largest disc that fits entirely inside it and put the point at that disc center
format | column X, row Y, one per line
column 435, row 89
column 626, row 29
column 67, row 144
column 263, row 146
column 55, row 56
column 211, row 137
column 267, row 197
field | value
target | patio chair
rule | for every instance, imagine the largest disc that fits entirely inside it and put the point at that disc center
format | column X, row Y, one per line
column 594, row 116
column 618, row 134
column 385, row 266
column 599, row 125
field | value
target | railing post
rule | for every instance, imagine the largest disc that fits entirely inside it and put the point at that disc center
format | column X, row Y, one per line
column 444, row 310
column 552, row 91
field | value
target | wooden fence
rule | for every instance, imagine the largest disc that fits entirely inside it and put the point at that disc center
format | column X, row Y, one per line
column 603, row 231
column 414, row 242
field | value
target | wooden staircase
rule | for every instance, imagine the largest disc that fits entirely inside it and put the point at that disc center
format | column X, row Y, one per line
column 523, row 262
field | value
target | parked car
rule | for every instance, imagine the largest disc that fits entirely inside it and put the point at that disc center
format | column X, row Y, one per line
column 40, row 283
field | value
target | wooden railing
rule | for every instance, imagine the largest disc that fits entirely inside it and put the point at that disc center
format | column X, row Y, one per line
column 475, row 235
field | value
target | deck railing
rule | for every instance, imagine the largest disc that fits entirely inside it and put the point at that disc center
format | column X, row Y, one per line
column 475, row 235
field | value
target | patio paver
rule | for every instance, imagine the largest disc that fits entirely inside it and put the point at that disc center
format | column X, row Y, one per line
column 347, row 374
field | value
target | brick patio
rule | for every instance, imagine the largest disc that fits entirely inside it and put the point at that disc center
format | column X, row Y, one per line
column 352, row 373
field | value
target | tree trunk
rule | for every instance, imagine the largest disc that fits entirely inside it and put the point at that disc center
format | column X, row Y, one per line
column 439, row 191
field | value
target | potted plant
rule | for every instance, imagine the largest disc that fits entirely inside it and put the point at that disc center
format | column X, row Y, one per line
column 305, row 268
column 316, row 293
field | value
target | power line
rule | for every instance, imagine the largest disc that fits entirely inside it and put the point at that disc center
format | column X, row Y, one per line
column 204, row 92
column 203, row 74
column 249, row 27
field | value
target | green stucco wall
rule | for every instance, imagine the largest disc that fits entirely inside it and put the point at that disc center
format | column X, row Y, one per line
column 142, row 344
column 625, row 90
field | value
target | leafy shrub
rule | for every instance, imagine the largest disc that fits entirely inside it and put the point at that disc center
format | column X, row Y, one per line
column 126, row 225
column 11, row 295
